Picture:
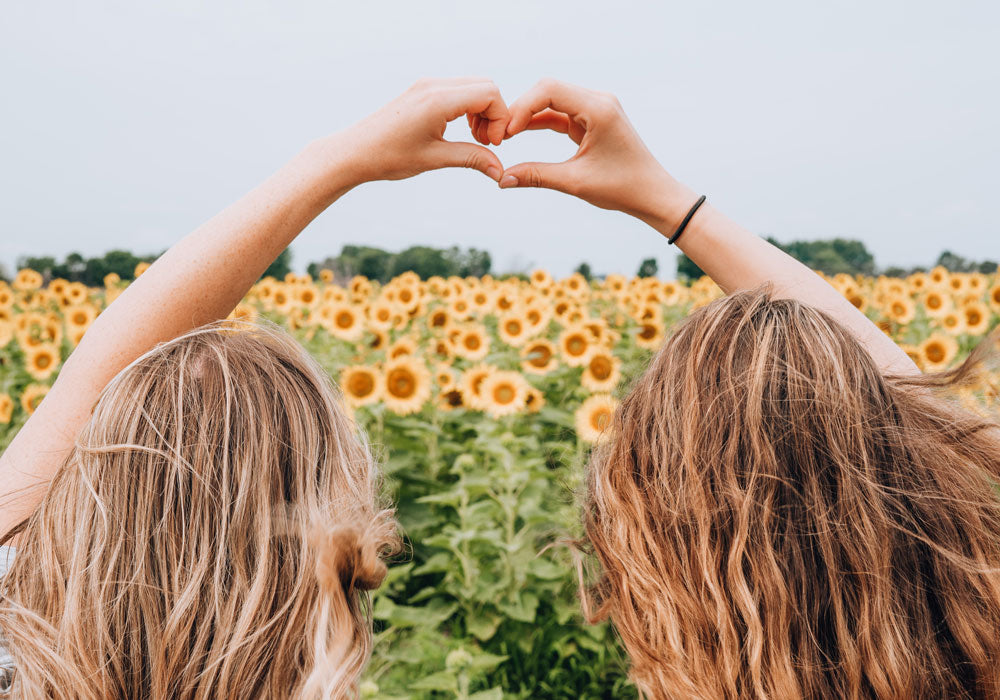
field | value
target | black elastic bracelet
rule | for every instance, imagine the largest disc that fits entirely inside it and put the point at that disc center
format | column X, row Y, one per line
column 684, row 223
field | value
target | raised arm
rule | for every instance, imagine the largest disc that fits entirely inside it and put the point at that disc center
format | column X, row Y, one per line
column 204, row 276
column 613, row 169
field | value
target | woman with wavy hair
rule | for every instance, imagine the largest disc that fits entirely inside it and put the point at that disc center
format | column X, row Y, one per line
column 785, row 507
column 193, row 512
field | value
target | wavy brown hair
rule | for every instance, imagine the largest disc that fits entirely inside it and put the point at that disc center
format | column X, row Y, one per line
column 776, row 518
column 212, row 535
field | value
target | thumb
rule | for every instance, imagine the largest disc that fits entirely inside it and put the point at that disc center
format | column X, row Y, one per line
column 457, row 154
column 553, row 176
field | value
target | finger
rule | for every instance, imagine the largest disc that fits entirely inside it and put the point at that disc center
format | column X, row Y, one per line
column 483, row 99
column 482, row 133
column 562, row 97
column 553, row 176
column 457, row 154
column 474, row 128
column 549, row 119
column 557, row 121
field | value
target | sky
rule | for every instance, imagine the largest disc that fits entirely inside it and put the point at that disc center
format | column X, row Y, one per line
column 126, row 125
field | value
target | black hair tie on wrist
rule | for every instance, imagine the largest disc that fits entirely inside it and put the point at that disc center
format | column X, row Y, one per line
column 687, row 218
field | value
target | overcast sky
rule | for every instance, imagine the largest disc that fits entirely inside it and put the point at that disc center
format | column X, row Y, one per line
column 127, row 124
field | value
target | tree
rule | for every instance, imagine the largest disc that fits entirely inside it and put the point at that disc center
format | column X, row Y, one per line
column 686, row 269
column 584, row 269
column 648, row 268
column 425, row 261
column 281, row 266
column 469, row 263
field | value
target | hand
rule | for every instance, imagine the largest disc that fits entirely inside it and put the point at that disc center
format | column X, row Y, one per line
column 612, row 168
column 406, row 136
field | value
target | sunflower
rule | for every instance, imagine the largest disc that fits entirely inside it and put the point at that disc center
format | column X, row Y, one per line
column 471, row 382
column 77, row 293
column 6, row 408
column 938, row 351
column 594, row 416
column 977, row 317
column 307, row 296
column 534, row 401
column 360, row 287
column 403, row 346
column 28, row 280
column 326, row 276
column 407, row 385
column 576, row 346
column 32, row 396
column 80, row 316
column 460, row 308
column 438, row 319
column 244, row 313
column 914, row 354
column 899, row 308
column 450, row 400
column 343, row 321
column 541, row 279
column 282, row 299
column 6, row 332
column 379, row 339
column 936, row 303
column 992, row 296
column 7, row 296
column 472, row 343
column 939, row 275
column 42, row 361
column 539, row 357
column 361, row 384
column 650, row 335
column 602, row 373
column 953, row 322
column 503, row 393
column 381, row 314
column 444, row 376
column 513, row 329
column 140, row 268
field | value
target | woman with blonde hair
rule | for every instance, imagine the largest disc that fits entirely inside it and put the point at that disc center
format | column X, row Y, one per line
column 193, row 513
column 785, row 507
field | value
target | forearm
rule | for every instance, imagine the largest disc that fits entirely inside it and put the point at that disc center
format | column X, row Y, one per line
column 736, row 259
column 203, row 276
column 200, row 279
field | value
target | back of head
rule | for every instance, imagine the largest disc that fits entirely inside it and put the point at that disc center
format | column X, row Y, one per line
column 212, row 534
column 774, row 518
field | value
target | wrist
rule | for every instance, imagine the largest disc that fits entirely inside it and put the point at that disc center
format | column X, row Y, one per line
column 667, row 203
column 333, row 163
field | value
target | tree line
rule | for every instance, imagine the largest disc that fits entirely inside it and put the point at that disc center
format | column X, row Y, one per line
column 831, row 256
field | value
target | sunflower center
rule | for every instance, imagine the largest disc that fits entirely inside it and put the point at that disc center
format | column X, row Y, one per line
column 43, row 361
column 600, row 367
column 472, row 342
column 576, row 345
column 345, row 319
column 513, row 327
column 362, row 384
column 934, row 302
column 648, row 332
column 600, row 418
column 504, row 394
column 540, row 356
column 935, row 353
column 401, row 383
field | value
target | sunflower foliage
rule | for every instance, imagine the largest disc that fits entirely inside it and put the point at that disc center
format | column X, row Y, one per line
column 482, row 399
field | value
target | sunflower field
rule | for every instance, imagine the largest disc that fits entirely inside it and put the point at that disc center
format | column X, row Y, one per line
column 482, row 398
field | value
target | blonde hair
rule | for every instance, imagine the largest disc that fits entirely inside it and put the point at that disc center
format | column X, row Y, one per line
column 213, row 534
column 775, row 518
